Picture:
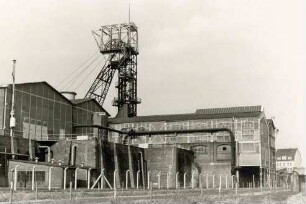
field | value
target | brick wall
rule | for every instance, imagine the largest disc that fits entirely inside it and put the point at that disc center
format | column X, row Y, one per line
column 170, row 160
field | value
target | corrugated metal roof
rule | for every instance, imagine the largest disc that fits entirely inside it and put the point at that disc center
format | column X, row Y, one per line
column 241, row 109
column 244, row 112
column 290, row 152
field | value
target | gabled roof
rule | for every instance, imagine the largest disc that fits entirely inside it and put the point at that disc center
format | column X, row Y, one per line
column 245, row 111
column 40, row 82
column 230, row 110
column 270, row 121
column 85, row 100
column 290, row 152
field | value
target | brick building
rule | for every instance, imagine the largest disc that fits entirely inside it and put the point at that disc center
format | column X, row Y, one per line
column 254, row 139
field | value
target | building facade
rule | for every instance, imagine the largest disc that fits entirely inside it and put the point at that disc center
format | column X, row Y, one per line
column 288, row 159
column 254, row 139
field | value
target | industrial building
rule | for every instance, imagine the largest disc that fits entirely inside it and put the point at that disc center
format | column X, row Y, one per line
column 254, row 139
column 57, row 135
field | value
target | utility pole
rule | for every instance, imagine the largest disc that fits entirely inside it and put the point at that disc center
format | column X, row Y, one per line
column 12, row 119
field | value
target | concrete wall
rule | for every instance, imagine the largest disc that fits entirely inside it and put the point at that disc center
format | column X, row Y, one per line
column 25, row 181
column 21, row 146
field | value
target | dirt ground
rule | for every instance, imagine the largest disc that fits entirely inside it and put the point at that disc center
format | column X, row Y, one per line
column 142, row 197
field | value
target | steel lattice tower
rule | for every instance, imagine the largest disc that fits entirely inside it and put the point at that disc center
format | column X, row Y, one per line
column 119, row 43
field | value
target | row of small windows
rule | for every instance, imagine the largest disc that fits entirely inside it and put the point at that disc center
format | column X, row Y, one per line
column 284, row 158
column 283, row 164
column 247, row 127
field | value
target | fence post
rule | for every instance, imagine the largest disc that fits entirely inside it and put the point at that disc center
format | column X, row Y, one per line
column 36, row 191
column 149, row 180
column 33, row 178
column 102, row 179
column 137, row 179
column 114, row 180
column 65, row 177
column 15, row 176
column 201, row 186
column 213, row 181
column 226, row 181
column 176, row 180
column 88, row 178
column 207, row 181
column 158, row 178
column 11, row 192
column 185, row 180
column 168, row 175
column 200, row 180
column 76, row 178
column 151, row 191
column 253, row 181
column 192, row 182
column 70, row 190
column 236, row 184
column 220, row 182
column 126, row 179
column 50, row 177
column 232, row 181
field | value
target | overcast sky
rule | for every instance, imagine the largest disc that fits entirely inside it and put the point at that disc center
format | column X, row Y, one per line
column 193, row 54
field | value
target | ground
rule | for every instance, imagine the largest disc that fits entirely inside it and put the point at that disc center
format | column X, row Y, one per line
column 184, row 196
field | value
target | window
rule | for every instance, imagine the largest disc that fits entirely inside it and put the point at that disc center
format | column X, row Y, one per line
column 224, row 152
column 284, row 157
column 289, row 158
column 279, row 158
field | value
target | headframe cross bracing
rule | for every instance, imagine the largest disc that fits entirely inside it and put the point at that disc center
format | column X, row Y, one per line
column 119, row 43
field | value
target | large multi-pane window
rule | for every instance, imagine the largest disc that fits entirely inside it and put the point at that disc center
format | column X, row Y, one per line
column 41, row 113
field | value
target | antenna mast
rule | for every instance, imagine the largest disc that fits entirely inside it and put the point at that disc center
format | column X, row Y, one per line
column 12, row 119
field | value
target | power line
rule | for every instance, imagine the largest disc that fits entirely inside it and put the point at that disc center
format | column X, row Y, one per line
column 75, row 70
column 73, row 80
column 99, row 63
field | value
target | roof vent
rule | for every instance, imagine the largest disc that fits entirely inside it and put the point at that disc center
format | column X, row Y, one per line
column 70, row 95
